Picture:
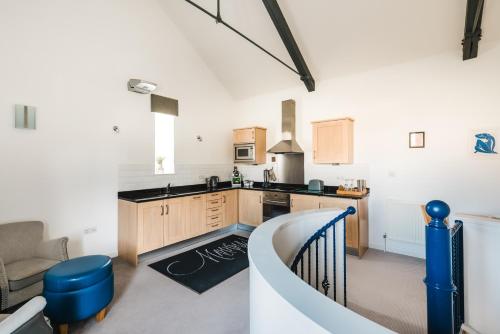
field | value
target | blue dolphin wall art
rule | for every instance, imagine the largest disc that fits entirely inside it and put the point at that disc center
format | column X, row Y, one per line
column 485, row 143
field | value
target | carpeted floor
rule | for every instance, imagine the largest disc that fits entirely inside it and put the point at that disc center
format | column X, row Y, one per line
column 388, row 289
column 384, row 287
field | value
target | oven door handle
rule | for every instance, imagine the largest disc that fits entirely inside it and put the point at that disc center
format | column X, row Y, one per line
column 266, row 201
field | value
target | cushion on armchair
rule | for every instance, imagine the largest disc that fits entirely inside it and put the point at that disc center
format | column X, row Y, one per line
column 24, row 273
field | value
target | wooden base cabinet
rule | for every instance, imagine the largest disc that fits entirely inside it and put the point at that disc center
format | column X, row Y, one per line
column 250, row 207
column 356, row 225
column 143, row 227
column 303, row 202
column 174, row 228
column 230, row 207
column 195, row 215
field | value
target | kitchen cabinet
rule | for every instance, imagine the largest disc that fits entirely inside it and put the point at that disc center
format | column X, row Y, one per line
column 150, row 224
column 356, row 225
column 174, row 227
column 303, row 202
column 143, row 227
column 214, row 211
column 230, row 207
column 250, row 207
column 195, row 215
column 255, row 136
column 333, row 141
column 248, row 135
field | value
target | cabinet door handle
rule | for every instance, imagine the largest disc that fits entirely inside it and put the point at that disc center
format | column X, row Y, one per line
column 260, row 199
column 162, row 210
column 224, row 199
column 197, row 197
column 167, row 209
column 291, row 203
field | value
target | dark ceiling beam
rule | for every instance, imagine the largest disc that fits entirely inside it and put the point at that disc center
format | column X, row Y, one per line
column 472, row 36
column 218, row 19
column 293, row 49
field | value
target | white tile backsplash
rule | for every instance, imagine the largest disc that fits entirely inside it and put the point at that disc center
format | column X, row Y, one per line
column 134, row 177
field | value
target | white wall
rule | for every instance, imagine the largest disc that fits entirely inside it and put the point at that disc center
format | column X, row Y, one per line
column 72, row 59
column 481, row 273
column 441, row 95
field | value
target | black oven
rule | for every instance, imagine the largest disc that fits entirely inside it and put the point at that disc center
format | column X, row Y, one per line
column 275, row 204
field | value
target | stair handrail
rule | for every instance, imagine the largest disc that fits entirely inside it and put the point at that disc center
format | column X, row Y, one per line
column 321, row 233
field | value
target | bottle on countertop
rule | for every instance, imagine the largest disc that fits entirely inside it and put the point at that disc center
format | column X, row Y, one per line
column 236, row 179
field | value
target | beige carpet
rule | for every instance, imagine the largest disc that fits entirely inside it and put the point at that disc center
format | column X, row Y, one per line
column 388, row 289
column 147, row 302
column 384, row 287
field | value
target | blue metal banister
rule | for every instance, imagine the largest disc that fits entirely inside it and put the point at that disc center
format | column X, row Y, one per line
column 444, row 271
column 314, row 241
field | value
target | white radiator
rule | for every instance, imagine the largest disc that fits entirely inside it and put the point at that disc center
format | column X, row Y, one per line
column 405, row 222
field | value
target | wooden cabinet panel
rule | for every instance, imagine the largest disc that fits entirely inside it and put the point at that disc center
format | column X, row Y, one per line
column 174, row 224
column 128, row 242
column 243, row 136
column 303, row 202
column 333, row 141
column 255, row 136
column 250, row 207
column 230, row 207
column 352, row 223
column 196, row 215
column 150, row 224
column 214, row 203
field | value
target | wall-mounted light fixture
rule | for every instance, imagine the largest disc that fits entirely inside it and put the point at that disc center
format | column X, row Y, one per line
column 24, row 117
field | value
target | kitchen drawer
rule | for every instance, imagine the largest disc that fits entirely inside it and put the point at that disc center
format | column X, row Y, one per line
column 211, row 196
column 214, row 219
column 214, row 203
column 214, row 211
column 214, row 226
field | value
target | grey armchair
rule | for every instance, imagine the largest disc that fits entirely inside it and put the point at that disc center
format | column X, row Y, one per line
column 28, row 319
column 24, row 258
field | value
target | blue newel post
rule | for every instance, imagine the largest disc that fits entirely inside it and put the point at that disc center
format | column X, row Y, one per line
column 439, row 279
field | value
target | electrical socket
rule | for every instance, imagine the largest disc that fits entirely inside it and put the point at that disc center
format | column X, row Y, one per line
column 90, row 230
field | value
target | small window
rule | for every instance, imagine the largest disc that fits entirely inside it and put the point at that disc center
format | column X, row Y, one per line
column 164, row 143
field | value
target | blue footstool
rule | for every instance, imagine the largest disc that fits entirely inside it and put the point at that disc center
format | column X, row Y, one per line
column 78, row 289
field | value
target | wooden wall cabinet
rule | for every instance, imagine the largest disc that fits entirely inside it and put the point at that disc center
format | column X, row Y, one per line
column 255, row 135
column 333, row 141
column 356, row 225
column 250, row 207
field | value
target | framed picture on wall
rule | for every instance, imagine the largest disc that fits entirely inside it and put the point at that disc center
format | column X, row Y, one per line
column 484, row 142
column 417, row 139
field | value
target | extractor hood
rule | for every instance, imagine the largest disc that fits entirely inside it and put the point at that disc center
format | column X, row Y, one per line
column 288, row 144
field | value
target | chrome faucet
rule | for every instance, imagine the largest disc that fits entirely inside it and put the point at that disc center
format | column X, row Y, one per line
column 167, row 189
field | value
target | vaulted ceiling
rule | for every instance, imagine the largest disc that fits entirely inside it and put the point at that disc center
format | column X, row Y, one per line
column 335, row 37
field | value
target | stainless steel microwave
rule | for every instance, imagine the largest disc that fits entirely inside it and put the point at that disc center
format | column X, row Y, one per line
column 244, row 153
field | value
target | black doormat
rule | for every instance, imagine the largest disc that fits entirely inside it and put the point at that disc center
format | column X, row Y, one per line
column 204, row 267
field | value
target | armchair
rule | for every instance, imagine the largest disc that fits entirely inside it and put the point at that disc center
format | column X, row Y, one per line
column 24, row 258
column 28, row 319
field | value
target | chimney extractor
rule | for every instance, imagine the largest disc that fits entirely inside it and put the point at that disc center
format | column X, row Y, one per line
column 288, row 144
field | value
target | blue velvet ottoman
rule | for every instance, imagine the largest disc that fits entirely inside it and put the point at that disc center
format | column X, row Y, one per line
column 78, row 289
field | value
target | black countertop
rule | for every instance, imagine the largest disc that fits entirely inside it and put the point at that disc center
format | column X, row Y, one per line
column 147, row 195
